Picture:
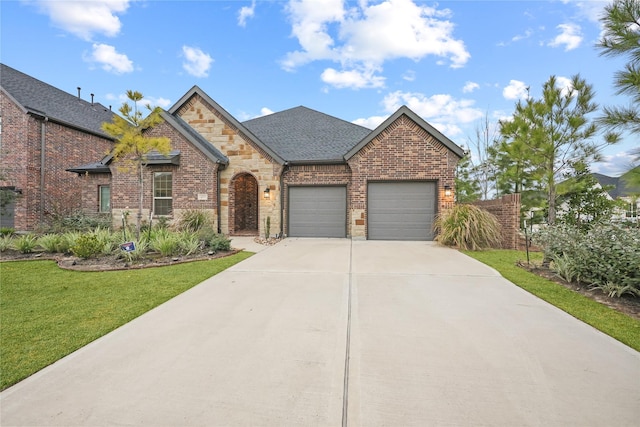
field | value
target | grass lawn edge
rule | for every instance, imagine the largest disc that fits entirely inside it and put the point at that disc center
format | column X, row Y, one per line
column 38, row 328
column 617, row 325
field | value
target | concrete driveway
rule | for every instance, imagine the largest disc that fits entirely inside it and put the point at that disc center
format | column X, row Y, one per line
column 426, row 335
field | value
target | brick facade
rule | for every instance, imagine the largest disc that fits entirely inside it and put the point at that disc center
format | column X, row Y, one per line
column 90, row 185
column 193, row 182
column 401, row 152
column 47, row 190
column 507, row 210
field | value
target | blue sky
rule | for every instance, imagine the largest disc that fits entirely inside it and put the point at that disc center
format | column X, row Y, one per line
column 452, row 62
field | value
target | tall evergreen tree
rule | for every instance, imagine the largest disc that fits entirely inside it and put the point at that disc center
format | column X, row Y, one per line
column 132, row 145
column 621, row 38
column 547, row 134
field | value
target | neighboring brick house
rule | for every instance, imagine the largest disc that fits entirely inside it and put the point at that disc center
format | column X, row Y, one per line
column 311, row 174
column 45, row 131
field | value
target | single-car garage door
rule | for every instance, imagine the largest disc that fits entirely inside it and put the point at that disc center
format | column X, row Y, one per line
column 401, row 210
column 317, row 211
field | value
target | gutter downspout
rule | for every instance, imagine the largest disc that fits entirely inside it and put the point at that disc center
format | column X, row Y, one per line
column 218, row 202
column 42, row 165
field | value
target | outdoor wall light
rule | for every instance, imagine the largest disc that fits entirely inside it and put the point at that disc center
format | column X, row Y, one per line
column 447, row 191
column 266, row 193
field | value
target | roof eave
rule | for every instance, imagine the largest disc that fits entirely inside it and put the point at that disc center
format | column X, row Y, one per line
column 316, row 162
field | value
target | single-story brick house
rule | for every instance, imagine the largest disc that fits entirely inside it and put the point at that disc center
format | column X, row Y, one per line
column 310, row 174
column 44, row 131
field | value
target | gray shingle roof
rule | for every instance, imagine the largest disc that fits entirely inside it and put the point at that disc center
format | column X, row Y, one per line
column 618, row 186
column 304, row 135
column 43, row 99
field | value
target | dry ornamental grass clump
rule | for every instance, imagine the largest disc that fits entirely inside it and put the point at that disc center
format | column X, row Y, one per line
column 468, row 227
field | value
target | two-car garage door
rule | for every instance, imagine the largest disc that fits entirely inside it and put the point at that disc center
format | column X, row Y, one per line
column 401, row 210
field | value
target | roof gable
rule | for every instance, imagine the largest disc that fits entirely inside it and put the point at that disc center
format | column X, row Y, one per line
column 195, row 90
column 195, row 138
column 404, row 110
column 303, row 135
column 42, row 99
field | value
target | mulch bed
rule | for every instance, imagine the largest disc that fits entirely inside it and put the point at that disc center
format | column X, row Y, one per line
column 113, row 262
column 626, row 304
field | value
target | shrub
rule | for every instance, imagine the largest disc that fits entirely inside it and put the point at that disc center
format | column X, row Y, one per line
column 81, row 221
column 467, row 227
column 7, row 231
column 50, row 243
column 86, row 246
column 606, row 257
column 220, row 243
column 6, row 242
column 25, row 244
column 107, row 240
column 188, row 242
column 194, row 220
column 164, row 242
column 142, row 246
column 68, row 241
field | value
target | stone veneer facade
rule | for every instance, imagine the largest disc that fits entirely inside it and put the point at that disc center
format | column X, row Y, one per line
column 244, row 158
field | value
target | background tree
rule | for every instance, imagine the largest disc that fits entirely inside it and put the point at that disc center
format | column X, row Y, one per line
column 132, row 145
column 547, row 134
column 483, row 169
column 583, row 201
column 467, row 188
column 621, row 37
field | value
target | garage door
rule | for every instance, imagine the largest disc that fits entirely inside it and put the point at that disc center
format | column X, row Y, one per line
column 401, row 210
column 319, row 211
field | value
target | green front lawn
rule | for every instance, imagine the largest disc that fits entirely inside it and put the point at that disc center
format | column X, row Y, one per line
column 613, row 323
column 47, row 313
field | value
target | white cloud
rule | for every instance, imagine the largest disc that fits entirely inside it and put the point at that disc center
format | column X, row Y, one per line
column 592, row 10
column 614, row 165
column 371, row 122
column 264, row 111
column 364, row 36
column 85, row 18
column 409, row 76
column 197, row 63
column 151, row 100
column 109, row 59
column 528, row 33
column 245, row 13
column 442, row 111
column 470, row 87
column 564, row 84
column 353, row 79
column 515, row 90
column 570, row 37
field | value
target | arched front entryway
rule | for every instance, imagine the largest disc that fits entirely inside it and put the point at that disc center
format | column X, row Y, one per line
column 244, row 205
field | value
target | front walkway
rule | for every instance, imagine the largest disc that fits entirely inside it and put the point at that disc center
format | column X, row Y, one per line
column 426, row 335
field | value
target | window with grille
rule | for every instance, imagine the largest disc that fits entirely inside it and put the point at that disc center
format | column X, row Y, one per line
column 162, row 193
